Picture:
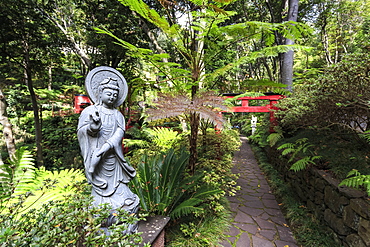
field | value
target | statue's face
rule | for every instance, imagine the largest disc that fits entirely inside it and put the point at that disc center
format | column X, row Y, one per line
column 109, row 97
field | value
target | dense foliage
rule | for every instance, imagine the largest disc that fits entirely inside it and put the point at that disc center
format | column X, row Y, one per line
column 69, row 222
column 340, row 97
column 226, row 46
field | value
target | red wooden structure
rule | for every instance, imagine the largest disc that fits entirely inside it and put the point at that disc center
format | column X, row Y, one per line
column 81, row 101
column 273, row 99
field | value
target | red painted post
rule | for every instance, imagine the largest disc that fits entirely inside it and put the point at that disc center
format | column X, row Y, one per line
column 81, row 101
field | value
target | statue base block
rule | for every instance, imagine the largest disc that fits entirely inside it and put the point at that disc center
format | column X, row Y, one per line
column 153, row 230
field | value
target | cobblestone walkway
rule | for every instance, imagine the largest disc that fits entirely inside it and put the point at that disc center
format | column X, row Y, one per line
column 257, row 218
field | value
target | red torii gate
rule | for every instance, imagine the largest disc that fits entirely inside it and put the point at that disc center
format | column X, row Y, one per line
column 273, row 99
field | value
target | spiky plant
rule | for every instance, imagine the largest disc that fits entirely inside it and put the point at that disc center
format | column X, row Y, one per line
column 204, row 105
column 164, row 188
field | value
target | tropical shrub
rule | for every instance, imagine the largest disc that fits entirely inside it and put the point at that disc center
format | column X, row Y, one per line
column 216, row 150
column 165, row 189
column 45, row 208
column 200, row 232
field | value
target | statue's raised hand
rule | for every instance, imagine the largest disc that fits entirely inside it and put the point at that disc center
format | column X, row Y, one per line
column 95, row 121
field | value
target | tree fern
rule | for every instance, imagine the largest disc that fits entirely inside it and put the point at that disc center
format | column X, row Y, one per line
column 206, row 104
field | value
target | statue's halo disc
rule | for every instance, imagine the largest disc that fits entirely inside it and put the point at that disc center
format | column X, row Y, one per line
column 97, row 75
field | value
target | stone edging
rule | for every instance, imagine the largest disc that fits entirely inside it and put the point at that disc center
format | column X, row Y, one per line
column 345, row 211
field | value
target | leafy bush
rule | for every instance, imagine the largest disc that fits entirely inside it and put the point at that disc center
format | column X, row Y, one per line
column 70, row 222
column 339, row 97
column 216, row 150
column 44, row 208
column 200, row 232
column 60, row 144
column 340, row 151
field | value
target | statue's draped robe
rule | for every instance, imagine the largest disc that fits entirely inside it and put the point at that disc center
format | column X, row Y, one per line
column 112, row 173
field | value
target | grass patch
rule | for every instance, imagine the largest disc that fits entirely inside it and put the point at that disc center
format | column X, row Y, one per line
column 307, row 230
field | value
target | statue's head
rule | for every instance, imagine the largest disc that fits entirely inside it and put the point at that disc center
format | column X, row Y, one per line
column 105, row 78
column 110, row 84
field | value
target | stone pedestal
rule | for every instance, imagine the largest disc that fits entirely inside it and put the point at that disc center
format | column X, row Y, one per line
column 153, row 230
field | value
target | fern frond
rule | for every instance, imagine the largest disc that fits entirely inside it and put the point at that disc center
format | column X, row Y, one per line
column 302, row 140
column 286, row 145
column 187, row 207
column 273, row 138
column 357, row 181
column 49, row 186
column 149, row 14
column 135, row 143
column 23, row 170
column 287, row 151
column 206, row 104
column 301, row 164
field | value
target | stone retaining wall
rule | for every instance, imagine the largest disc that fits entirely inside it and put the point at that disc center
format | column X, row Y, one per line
column 345, row 211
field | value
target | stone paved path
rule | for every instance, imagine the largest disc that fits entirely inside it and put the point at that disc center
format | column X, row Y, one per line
column 258, row 220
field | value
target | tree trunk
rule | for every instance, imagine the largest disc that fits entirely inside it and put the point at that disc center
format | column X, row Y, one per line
column 76, row 47
column 7, row 128
column 194, row 127
column 29, row 83
column 50, row 73
column 288, row 57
